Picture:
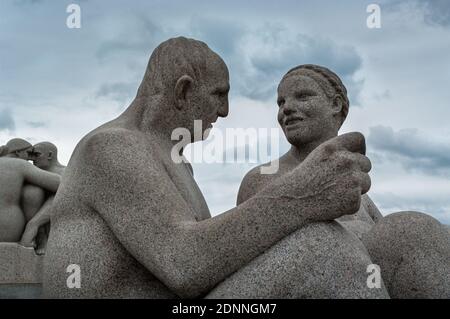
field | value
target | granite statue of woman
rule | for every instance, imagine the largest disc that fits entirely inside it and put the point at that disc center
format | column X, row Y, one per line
column 412, row 249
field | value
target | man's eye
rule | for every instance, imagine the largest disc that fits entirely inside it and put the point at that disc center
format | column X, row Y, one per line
column 220, row 93
column 280, row 102
column 304, row 96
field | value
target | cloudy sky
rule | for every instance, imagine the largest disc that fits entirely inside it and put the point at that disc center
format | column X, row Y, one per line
column 57, row 83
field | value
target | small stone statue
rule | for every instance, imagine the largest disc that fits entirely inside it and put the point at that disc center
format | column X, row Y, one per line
column 37, row 201
column 45, row 156
column 15, row 172
column 412, row 249
column 137, row 225
column 16, row 148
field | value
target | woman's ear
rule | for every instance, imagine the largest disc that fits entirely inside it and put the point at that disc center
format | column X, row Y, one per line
column 183, row 85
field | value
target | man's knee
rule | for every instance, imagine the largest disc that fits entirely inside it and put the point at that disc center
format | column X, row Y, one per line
column 320, row 260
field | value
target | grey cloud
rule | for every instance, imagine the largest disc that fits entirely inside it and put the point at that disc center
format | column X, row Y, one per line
column 25, row 2
column 6, row 120
column 437, row 12
column 35, row 124
column 118, row 91
column 140, row 37
column 414, row 151
column 271, row 65
column 221, row 35
column 434, row 12
column 255, row 73
column 389, row 203
column 385, row 95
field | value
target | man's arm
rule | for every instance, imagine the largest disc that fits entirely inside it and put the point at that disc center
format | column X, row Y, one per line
column 36, row 176
column 146, row 212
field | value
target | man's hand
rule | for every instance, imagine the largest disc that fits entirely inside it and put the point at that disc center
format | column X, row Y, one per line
column 29, row 235
column 332, row 178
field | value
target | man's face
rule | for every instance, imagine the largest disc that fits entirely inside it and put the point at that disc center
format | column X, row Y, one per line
column 305, row 112
column 41, row 157
column 209, row 98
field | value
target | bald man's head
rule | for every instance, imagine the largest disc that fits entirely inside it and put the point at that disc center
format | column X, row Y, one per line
column 45, row 154
column 171, row 60
column 185, row 81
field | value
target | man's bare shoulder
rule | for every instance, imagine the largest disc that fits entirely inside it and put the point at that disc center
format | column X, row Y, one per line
column 114, row 154
column 113, row 145
column 110, row 139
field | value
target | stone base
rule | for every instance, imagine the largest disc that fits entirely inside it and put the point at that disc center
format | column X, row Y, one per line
column 19, row 265
column 20, row 291
column 20, row 272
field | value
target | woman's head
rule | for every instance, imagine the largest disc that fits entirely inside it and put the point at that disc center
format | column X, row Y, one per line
column 17, row 148
column 313, row 104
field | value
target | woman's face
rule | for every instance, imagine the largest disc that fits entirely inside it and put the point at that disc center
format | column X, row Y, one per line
column 305, row 112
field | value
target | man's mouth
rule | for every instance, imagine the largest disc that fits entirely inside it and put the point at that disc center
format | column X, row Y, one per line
column 211, row 124
column 293, row 120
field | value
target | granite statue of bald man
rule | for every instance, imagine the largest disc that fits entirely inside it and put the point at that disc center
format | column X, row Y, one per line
column 138, row 226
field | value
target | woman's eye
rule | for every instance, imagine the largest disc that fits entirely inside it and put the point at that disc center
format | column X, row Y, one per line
column 280, row 102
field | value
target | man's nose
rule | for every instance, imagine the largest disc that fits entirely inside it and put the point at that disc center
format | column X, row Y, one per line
column 223, row 110
column 288, row 108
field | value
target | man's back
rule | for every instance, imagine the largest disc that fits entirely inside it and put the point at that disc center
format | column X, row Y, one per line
column 79, row 235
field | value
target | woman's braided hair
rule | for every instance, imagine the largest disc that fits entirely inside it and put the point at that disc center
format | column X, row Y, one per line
column 332, row 81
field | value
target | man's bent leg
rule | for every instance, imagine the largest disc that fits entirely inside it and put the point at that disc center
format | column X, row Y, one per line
column 320, row 260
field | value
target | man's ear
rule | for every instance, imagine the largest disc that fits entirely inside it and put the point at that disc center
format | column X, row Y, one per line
column 182, row 87
column 50, row 155
column 338, row 105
